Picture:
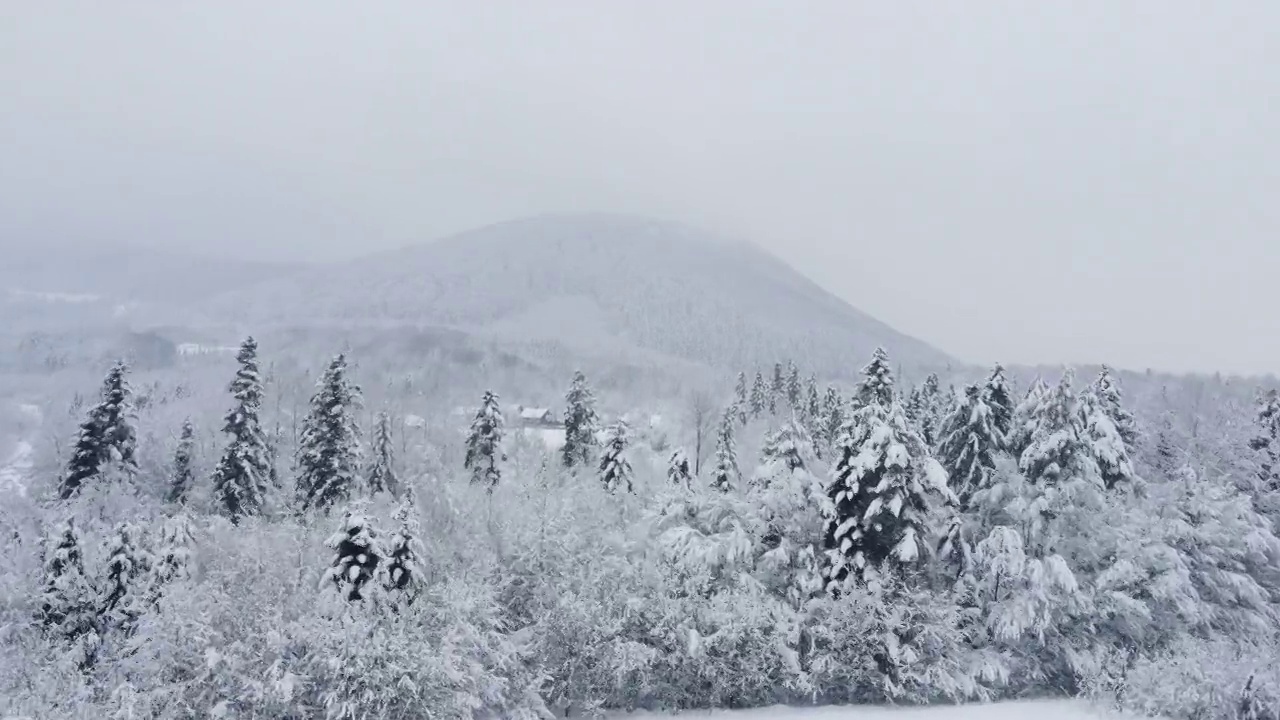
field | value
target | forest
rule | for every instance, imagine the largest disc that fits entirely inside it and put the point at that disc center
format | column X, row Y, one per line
column 780, row 542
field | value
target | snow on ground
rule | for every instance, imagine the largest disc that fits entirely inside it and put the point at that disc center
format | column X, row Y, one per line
column 14, row 471
column 1028, row 710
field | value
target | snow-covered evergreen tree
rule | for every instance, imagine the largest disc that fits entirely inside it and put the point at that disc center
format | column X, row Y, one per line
column 328, row 450
column 243, row 472
column 405, row 554
column 484, row 443
column 789, row 500
column 174, row 548
column 999, row 398
column 741, row 401
column 833, row 417
column 1105, row 442
column 968, row 445
column 1111, row 403
column 759, row 396
column 679, row 472
column 68, row 604
column 877, row 381
column 381, row 476
column 1025, row 416
column 123, row 597
column 356, row 557
column 929, row 409
column 886, row 490
column 777, row 388
column 724, row 476
column 182, row 474
column 580, row 423
column 1266, row 442
column 615, row 469
column 812, row 405
column 106, row 437
column 794, row 389
column 790, row 445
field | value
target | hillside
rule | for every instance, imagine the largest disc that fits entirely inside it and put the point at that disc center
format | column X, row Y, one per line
column 622, row 283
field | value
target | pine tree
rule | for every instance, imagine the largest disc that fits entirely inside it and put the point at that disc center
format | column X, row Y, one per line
column 580, row 423
column 759, row 396
column 1111, row 403
column 794, row 388
column 67, row 606
column 678, row 470
column 381, row 476
column 833, row 417
column 1025, row 416
column 741, row 402
column 724, row 476
column 405, row 555
column 886, row 489
column 813, row 405
column 106, row 437
column 788, row 447
column 999, row 398
column 615, row 469
column 1105, row 441
column 1059, row 450
column 877, row 382
column 182, row 475
column 968, row 445
column 929, row 409
column 123, row 597
column 328, row 451
column 484, row 443
column 172, row 562
column 1266, row 443
column 241, row 477
column 777, row 388
column 356, row 556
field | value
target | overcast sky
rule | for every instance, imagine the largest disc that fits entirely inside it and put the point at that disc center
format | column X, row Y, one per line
column 1085, row 181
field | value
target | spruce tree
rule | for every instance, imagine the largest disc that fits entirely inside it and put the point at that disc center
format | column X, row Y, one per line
column 759, row 396
column 241, row 476
column 1266, row 442
column 615, row 469
column 381, row 476
column 741, row 402
column 886, row 489
column 1111, row 403
column 124, row 593
column 182, row 475
column 172, row 561
column 929, row 410
column 1025, row 417
column 67, row 604
column 787, row 447
column 328, row 451
column 405, row 554
column 356, row 556
column 999, row 398
column 1105, row 441
column 484, row 443
column 724, row 476
column 1059, row 451
column 794, row 388
column 679, row 472
column 812, row 404
column 833, row 417
column 968, row 445
column 106, row 438
column 580, row 423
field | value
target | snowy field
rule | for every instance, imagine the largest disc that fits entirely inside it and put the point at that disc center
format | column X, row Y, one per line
column 1030, row 710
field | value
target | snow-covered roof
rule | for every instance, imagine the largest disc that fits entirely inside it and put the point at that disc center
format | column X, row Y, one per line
column 534, row 413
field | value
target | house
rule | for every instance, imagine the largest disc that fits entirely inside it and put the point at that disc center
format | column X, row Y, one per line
column 536, row 417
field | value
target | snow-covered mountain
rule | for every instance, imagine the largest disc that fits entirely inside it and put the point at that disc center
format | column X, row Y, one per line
column 629, row 284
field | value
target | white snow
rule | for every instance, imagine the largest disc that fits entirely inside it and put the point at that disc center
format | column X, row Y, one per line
column 1024, row 710
column 16, row 469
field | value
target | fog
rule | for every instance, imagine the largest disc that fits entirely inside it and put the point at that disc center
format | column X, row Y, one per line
column 1070, row 182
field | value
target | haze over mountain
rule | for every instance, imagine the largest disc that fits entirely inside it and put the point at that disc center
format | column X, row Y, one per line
column 625, row 281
